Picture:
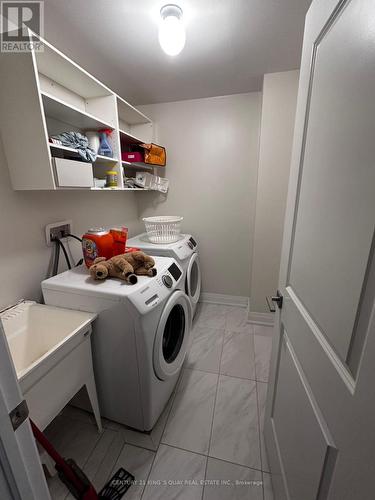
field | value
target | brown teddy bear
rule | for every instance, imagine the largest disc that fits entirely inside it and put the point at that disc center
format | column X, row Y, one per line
column 125, row 266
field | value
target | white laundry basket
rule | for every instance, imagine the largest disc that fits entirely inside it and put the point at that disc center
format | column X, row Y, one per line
column 163, row 229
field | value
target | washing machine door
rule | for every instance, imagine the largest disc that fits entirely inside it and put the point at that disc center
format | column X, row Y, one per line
column 193, row 279
column 172, row 336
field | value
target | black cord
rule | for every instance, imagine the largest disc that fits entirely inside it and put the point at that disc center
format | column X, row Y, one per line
column 56, row 259
column 62, row 246
column 80, row 262
column 74, row 236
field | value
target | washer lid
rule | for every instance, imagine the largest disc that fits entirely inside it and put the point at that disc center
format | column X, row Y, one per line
column 78, row 280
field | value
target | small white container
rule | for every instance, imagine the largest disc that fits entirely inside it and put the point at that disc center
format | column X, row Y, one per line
column 144, row 180
column 99, row 183
column 162, row 185
column 163, row 229
column 94, row 141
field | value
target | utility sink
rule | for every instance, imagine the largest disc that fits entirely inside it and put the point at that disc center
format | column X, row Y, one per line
column 51, row 352
column 35, row 332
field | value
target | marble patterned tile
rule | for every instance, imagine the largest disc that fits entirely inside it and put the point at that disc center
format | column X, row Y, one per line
column 72, row 438
column 106, row 468
column 264, row 330
column 157, row 431
column 100, row 452
column 205, row 351
column 211, row 315
column 149, row 440
column 226, row 481
column 75, row 413
column 189, row 422
column 236, row 319
column 235, row 433
column 57, row 490
column 237, row 359
column 98, row 456
column 176, row 474
column 267, row 487
column 138, row 462
column 142, row 439
column 262, row 396
column 263, row 348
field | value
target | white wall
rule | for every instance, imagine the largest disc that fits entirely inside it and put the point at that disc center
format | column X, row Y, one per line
column 212, row 148
column 212, row 161
column 277, row 126
column 24, row 255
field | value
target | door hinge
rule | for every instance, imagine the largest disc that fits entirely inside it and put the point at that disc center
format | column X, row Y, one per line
column 277, row 299
column 19, row 414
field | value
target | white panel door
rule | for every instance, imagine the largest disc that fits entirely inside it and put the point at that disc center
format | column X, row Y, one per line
column 320, row 419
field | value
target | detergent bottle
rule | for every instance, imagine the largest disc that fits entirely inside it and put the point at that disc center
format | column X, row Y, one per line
column 97, row 242
column 104, row 148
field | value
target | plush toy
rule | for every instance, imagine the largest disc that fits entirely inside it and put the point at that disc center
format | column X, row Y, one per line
column 125, row 266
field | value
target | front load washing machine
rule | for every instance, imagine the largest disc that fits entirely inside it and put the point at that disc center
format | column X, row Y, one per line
column 139, row 338
column 185, row 251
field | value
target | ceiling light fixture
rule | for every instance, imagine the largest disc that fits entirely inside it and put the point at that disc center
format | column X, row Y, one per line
column 171, row 30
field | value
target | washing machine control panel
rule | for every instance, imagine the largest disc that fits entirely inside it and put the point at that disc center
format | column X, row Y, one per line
column 192, row 244
column 157, row 289
column 186, row 248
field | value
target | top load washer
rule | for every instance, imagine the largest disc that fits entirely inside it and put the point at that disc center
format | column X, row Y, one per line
column 139, row 339
column 185, row 251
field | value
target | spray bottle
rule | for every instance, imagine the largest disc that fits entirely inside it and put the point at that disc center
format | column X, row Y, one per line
column 104, row 148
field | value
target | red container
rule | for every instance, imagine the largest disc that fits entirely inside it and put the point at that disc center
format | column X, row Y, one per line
column 97, row 242
column 136, row 156
column 119, row 240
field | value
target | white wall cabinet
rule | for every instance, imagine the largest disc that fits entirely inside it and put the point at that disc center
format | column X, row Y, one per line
column 46, row 93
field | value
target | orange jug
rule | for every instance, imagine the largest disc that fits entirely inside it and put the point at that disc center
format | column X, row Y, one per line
column 97, row 242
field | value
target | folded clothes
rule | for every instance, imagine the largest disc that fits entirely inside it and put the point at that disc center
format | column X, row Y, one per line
column 79, row 142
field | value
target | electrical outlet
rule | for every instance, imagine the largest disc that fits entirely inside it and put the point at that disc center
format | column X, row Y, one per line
column 58, row 230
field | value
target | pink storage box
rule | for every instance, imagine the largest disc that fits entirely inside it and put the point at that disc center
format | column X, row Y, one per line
column 133, row 157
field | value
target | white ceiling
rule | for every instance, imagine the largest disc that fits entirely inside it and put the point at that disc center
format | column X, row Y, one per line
column 230, row 44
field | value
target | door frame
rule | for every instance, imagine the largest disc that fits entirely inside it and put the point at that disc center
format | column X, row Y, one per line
column 22, row 472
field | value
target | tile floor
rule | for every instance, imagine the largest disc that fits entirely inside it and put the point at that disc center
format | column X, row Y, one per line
column 210, row 430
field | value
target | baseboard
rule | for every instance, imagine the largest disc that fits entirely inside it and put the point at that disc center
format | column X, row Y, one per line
column 225, row 300
column 266, row 319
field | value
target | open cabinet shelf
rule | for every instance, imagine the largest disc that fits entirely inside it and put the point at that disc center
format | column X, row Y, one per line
column 120, row 189
column 73, row 151
column 137, row 164
column 63, row 112
column 128, row 138
column 51, row 94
